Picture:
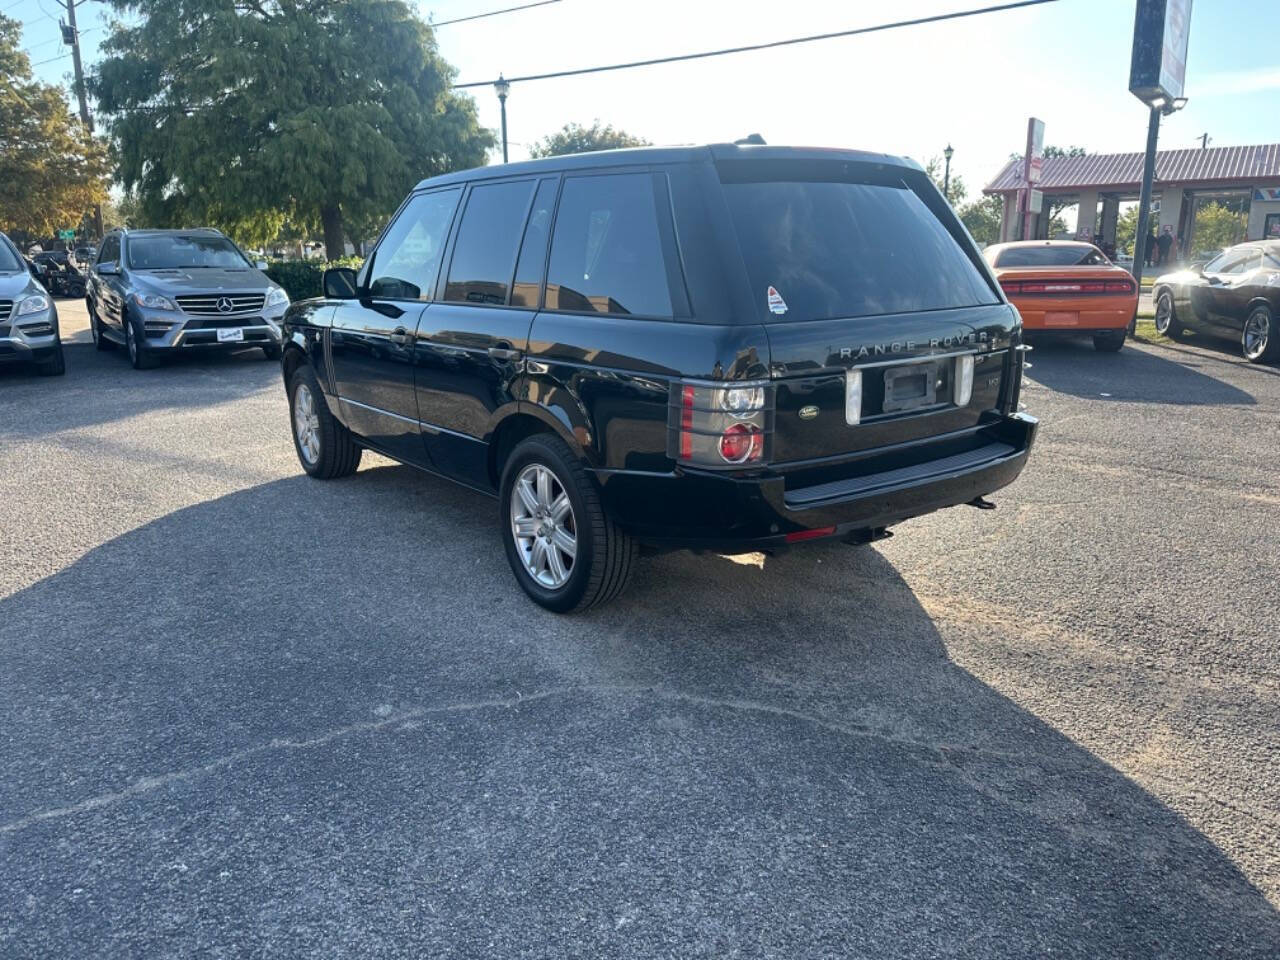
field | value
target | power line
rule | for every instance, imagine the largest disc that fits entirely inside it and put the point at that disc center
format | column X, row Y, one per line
column 919, row 21
column 61, row 56
column 494, row 13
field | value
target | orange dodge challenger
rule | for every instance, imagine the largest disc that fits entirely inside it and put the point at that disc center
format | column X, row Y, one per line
column 1063, row 286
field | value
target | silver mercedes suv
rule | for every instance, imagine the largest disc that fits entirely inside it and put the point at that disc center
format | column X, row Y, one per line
column 156, row 292
column 28, row 317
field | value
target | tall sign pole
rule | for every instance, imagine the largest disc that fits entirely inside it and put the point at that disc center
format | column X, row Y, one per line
column 1032, row 169
column 1157, row 77
column 71, row 35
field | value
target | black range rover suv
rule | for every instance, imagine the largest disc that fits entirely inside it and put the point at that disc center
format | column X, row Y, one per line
column 729, row 347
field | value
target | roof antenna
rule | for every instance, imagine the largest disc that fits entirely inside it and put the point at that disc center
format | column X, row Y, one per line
column 751, row 139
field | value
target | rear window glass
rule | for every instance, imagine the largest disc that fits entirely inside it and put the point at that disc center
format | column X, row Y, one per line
column 818, row 250
column 1051, row 257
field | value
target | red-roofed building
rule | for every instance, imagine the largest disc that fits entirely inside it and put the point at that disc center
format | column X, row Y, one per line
column 1246, row 179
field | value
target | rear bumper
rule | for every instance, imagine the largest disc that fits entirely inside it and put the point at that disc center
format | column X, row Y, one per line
column 686, row 509
column 1077, row 316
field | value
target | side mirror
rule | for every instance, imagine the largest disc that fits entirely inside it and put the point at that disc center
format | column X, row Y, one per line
column 339, row 283
column 260, row 264
column 108, row 269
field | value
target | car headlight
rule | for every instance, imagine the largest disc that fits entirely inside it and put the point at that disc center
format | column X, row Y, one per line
column 277, row 297
column 35, row 303
column 153, row 301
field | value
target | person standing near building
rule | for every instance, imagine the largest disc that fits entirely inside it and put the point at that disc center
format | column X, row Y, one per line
column 1165, row 242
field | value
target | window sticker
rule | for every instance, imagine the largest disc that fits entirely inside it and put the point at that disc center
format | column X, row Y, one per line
column 776, row 304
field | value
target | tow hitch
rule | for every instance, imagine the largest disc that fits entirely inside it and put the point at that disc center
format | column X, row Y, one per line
column 982, row 503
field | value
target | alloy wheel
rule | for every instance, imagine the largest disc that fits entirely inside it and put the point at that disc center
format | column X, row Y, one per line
column 1164, row 313
column 306, row 423
column 544, row 527
column 131, row 341
column 1257, row 333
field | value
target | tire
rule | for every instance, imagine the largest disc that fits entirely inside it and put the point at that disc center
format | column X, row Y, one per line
column 1259, row 340
column 1110, row 342
column 271, row 353
column 139, row 355
column 326, row 449
column 55, row 366
column 95, row 327
column 1167, row 325
column 603, row 556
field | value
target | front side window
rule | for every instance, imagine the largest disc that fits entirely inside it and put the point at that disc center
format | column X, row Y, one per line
column 817, row 250
column 484, row 255
column 606, row 254
column 110, row 252
column 407, row 261
column 1217, row 263
column 1245, row 261
column 182, row 252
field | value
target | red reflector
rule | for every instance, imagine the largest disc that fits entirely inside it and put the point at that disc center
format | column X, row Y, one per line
column 814, row 534
column 686, row 423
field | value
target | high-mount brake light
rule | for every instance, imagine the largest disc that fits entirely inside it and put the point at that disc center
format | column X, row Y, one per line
column 713, row 425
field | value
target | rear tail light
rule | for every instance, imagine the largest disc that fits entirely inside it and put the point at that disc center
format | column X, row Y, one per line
column 713, row 425
column 963, row 381
column 1060, row 288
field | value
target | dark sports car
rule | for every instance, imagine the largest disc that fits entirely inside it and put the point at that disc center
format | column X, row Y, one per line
column 1236, row 295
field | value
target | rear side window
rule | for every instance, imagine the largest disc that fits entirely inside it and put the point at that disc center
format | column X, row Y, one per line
column 816, row 250
column 407, row 261
column 484, row 255
column 606, row 254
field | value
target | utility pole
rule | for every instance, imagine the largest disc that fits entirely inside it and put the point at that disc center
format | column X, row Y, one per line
column 72, row 36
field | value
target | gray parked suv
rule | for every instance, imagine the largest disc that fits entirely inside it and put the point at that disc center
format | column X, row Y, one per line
column 28, row 318
column 156, row 292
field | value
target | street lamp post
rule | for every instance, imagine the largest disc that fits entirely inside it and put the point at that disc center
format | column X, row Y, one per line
column 502, row 87
column 1160, row 106
column 946, row 177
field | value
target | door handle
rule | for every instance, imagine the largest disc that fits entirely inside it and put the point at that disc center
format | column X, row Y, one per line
column 400, row 336
column 504, row 353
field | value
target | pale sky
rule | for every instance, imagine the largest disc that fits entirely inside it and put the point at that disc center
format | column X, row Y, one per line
column 972, row 83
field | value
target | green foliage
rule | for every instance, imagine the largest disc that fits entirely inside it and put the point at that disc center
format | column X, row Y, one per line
column 1218, row 226
column 244, row 115
column 51, row 169
column 982, row 219
column 575, row 138
column 956, row 191
column 1127, row 230
column 301, row 278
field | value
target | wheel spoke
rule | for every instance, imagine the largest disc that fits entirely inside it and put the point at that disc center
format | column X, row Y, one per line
column 539, row 556
column 560, row 507
column 565, row 542
column 544, row 487
column 526, row 527
column 555, row 565
column 527, row 497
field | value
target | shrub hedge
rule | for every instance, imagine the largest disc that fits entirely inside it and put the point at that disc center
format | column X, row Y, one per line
column 301, row 278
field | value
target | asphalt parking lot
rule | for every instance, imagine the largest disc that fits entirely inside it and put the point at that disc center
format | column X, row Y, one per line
column 248, row 713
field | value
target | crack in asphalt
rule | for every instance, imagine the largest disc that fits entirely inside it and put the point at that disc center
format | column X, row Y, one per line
column 948, row 755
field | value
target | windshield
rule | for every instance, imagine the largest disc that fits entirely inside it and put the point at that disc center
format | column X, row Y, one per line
column 816, row 250
column 9, row 262
column 1051, row 257
column 177, row 251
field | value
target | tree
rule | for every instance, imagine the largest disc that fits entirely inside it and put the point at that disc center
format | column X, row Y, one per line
column 575, row 138
column 982, row 219
column 1127, row 230
column 1217, row 225
column 937, row 171
column 51, row 169
column 248, row 113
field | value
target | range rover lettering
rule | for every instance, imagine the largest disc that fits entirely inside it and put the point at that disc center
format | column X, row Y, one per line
column 157, row 292
column 732, row 348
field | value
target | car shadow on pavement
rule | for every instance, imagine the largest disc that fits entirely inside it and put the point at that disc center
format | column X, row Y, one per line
column 322, row 717
column 101, row 386
column 1133, row 375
